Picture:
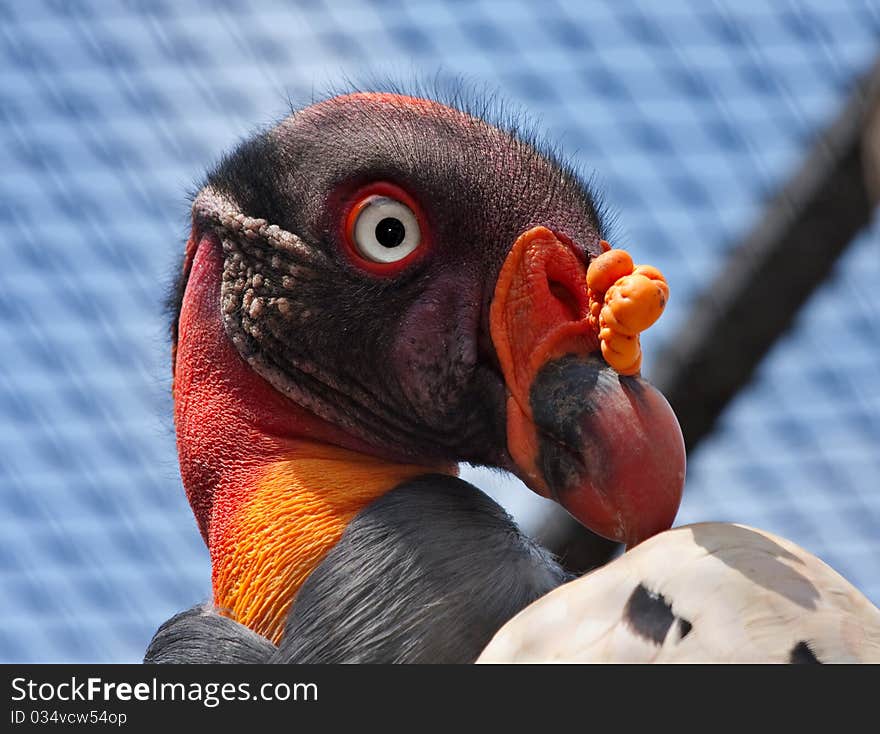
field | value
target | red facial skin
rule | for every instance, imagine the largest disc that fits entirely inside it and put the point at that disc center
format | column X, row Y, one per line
column 230, row 421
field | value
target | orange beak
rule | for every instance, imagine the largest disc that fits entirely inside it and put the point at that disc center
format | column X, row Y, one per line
column 607, row 447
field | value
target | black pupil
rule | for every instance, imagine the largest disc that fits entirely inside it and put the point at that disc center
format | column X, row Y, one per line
column 390, row 232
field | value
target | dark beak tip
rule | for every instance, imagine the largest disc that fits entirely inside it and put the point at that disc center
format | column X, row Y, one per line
column 610, row 449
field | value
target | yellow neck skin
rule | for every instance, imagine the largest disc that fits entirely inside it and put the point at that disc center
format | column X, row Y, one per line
column 293, row 515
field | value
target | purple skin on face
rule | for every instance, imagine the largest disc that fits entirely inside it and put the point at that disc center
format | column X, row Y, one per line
column 405, row 360
column 435, row 348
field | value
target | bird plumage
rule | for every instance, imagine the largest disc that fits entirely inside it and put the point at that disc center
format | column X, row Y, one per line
column 710, row 592
column 426, row 573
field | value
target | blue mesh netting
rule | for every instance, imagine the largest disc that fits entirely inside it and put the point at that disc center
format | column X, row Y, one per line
column 690, row 113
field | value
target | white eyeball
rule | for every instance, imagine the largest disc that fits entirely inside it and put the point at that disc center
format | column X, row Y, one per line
column 386, row 230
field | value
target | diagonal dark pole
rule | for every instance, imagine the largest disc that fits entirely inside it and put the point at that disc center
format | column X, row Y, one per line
column 768, row 277
column 771, row 274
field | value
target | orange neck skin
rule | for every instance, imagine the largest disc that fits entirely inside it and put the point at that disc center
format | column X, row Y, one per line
column 271, row 485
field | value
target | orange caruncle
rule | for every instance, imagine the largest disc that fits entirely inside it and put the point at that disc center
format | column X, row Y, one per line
column 624, row 301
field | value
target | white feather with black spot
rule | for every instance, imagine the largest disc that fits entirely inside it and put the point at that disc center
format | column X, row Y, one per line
column 711, row 592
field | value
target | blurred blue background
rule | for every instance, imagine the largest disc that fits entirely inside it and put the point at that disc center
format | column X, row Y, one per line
column 690, row 113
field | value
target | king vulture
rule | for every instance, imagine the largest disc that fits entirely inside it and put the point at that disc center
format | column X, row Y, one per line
column 379, row 288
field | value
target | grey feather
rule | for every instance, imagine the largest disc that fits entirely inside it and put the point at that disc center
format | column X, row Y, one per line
column 202, row 635
column 427, row 573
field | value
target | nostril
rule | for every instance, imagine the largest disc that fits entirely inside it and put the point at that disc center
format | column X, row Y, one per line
column 569, row 302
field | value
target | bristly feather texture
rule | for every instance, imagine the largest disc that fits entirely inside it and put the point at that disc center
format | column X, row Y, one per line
column 400, row 578
column 479, row 101
column 485, row 102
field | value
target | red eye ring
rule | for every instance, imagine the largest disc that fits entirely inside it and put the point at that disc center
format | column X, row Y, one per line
column 357, row 203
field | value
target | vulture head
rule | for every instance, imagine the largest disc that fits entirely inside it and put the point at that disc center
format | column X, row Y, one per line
column 381, row 287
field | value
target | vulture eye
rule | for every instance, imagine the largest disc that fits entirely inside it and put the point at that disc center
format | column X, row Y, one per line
column 383, row 227
column 385, row 230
